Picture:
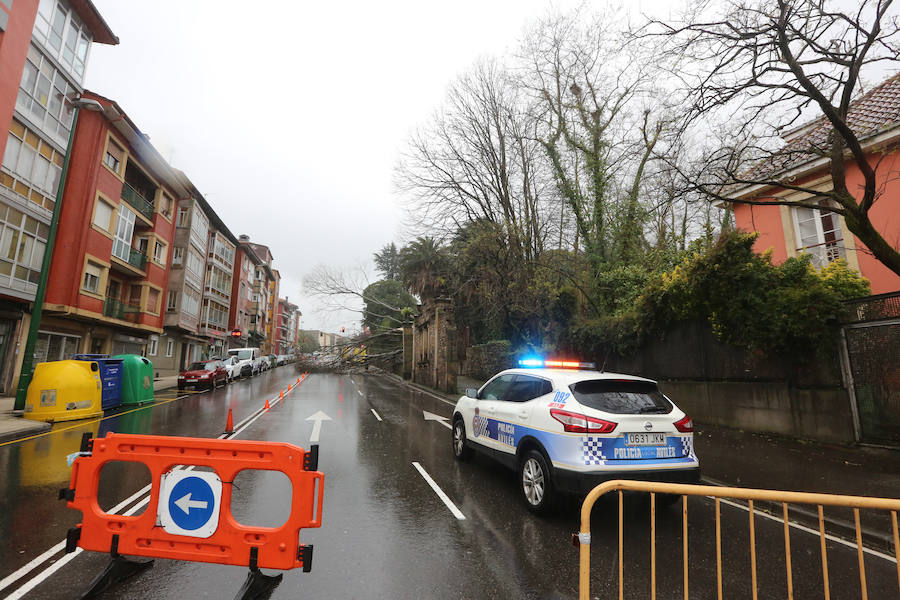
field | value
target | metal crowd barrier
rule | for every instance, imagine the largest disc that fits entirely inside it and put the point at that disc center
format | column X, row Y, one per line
column 717, row 493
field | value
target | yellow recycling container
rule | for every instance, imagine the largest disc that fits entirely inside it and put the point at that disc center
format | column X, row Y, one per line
column 64, row 390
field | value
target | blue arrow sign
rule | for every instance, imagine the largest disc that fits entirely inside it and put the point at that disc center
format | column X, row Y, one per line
column 191, row 503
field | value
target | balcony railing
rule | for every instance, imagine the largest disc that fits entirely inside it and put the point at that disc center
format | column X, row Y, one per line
column 135, row 199
column 121, row 310
column 138, row 259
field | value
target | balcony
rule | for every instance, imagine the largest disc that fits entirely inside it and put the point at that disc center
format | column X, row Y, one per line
column 121, row 310
column 136, row 200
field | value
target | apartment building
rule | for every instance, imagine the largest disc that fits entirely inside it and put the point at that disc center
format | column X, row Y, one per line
column 110, row 266
column 288, row 324
column 44, row 51
column 217, row 291
column 272, row 331
column 263, row 286
column 242, row 305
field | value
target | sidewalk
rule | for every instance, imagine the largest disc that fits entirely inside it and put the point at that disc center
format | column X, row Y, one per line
column 14, row 427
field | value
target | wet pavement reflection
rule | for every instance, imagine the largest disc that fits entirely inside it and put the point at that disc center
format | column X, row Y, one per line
column 385, row 532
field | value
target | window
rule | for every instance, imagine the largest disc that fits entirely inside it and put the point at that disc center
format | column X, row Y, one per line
column 526, row 387
column 92, row 275
column 172, row 301
column 60, row 29
column 114, row 157
column 152, row 346
column 170, row 347
column 103, row 214
column 31, row 166
column 43, row 94
column 621, row 397
column 159, row 252
column 178, row 256
column 153, row 301
column 55, row 346
column 496, row 388
column 183, row 216
column 190, row 302
column 195, row 263
column 124, row 230
column 819, row 234
column 22, row 243
column 165, row 205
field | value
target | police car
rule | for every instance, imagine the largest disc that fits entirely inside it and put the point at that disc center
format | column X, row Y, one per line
column 566, row 427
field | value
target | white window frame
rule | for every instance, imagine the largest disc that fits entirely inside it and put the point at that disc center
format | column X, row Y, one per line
column 152, row 346
column 170, row 348
column 124, row 232
column 821, row 253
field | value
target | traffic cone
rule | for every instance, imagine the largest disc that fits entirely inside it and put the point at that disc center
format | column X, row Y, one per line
column 289, row 387
column 298, row 381
column 267, row 404
column 281, row 395
column 229, row 423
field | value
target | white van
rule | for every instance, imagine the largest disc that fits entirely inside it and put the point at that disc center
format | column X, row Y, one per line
column 249, row 359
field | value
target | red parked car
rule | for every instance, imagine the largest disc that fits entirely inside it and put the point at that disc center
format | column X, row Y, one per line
column 208, row 373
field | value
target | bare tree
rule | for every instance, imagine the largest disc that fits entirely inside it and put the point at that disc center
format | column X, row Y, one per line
column 478, row 160
column 767, row 65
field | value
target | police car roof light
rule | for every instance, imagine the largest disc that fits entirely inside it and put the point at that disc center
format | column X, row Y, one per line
column 555, row 364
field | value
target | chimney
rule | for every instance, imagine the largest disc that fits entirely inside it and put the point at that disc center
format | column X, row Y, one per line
column 243, row 238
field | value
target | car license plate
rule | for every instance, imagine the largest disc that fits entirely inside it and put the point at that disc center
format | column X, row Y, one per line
column 191, row 380
column 645, row 439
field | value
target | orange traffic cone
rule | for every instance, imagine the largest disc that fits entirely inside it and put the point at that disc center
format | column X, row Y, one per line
column 289, row 387
column 281, row 395
column 298, row 381
column 267, row 404
column 229, row 423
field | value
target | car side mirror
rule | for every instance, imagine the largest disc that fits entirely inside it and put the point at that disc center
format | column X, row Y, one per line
column 472, row 393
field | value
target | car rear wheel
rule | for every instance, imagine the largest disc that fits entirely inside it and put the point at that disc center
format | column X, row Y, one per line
column 537, row 487
column 461, row 450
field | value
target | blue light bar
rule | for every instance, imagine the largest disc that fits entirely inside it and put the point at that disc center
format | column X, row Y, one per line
column 531, row 362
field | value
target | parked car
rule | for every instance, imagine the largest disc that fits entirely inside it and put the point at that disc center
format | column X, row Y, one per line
column 233, row 365
column 281, row 359
column 566, row 428
column 249, row 360
column 207, row 373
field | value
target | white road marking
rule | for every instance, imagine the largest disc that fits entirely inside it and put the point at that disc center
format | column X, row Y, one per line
column 317, row 425
column 433, row 417
column 377, row 416
column 47, row 555
column 359, row 391
column 814, row 532
column 437, row 490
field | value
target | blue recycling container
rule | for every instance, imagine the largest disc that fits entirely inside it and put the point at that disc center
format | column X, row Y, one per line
column 110, row 378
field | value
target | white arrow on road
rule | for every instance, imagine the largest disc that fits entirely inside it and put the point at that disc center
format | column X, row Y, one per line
column 433, row 417
column 186, row 504
column 317, row 425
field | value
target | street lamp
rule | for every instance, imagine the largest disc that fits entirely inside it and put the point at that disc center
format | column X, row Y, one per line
column 28, row 357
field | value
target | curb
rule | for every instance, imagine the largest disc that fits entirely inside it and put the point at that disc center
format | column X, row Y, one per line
column 30, row 428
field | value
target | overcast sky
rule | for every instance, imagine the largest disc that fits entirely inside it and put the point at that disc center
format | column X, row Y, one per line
column 289, row 116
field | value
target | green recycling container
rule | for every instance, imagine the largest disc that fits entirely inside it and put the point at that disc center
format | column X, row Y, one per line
column 137, row 379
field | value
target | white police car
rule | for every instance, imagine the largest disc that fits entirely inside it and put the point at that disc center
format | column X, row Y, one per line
column 566, row 428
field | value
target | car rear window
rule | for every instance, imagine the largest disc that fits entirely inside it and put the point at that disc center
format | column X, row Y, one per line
column 624, row 397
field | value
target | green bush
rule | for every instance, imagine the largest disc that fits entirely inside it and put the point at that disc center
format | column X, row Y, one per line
column 790, row 310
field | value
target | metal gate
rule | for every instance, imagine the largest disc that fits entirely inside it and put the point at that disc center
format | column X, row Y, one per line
column 871, row 365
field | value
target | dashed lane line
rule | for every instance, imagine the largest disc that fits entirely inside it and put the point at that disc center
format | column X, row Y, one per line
column 377, row 416
column 437, row 490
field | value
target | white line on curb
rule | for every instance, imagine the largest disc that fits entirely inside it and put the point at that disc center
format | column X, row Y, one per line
column 456, row 512
column 377, row 416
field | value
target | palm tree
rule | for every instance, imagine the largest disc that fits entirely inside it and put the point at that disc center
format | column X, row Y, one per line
column 423, row 267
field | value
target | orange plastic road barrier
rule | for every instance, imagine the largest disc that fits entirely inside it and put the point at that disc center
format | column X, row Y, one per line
column 229, row 542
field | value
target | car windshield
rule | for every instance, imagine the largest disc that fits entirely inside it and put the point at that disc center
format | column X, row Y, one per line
column 202, row 366
column 621, row 396
column 245, row 354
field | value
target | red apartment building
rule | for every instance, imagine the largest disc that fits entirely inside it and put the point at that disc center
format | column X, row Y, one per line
column 110, row 266
column 790, row 230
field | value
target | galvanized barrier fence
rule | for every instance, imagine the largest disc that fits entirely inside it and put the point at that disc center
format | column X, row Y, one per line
column 717, row 493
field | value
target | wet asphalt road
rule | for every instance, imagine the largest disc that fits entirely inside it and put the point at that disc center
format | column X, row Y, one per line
column 385, row 532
